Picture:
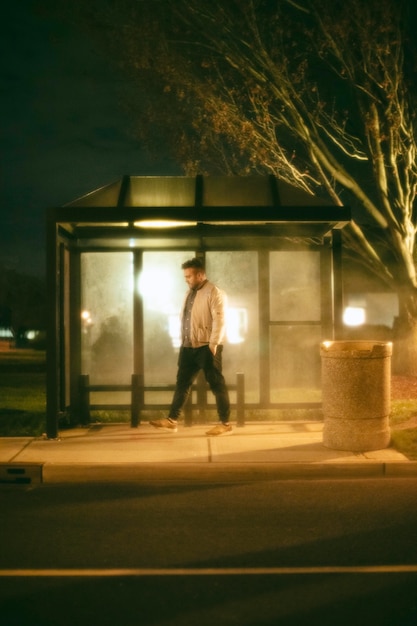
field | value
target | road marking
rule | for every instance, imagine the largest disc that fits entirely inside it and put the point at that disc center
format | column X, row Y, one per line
column 208, row 571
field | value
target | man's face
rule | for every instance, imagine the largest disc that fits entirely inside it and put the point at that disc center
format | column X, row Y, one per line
column 193, row 277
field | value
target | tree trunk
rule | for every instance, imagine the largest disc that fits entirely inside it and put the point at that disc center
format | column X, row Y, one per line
column 404, row 361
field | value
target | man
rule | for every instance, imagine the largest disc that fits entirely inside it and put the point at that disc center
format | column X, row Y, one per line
column 202, row 331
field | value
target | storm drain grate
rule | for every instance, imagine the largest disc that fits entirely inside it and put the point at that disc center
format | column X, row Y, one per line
column 20, row 474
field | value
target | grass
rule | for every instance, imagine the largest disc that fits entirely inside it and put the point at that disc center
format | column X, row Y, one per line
column 403, row 438
column 405, row 441
column 23, row 404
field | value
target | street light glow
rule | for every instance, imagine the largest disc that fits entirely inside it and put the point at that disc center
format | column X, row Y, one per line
column 354, row 316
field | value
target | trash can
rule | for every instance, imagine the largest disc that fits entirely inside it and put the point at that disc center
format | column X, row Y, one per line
column 356, row 394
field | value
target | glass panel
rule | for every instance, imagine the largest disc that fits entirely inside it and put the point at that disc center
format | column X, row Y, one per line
column 295, row 286
column 163, row 288
column 237, row 274
column 161, row 191
column 295, row 363
column 158, row 397
column 237, row 191
column 106, row 196
column 107, row 317
column 110, row 397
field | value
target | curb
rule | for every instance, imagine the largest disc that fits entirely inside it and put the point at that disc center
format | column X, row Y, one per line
column 53, row 473
column 214, row 473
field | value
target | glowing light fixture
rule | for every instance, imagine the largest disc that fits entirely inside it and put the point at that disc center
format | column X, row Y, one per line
column 156, row 287
column 354, row 316
column 86, row 317
column 236, row 324
column 6, row 333
column 162, row 224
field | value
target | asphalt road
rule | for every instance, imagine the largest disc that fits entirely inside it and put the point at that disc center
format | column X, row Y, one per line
column 266, row 552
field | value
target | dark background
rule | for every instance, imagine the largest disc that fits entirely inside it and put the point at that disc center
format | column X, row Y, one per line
column 64, row 131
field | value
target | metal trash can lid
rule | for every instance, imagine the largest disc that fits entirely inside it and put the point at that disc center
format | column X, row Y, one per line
column 356, row 349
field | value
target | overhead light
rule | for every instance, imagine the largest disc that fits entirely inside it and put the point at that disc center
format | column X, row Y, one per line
column 162, row 224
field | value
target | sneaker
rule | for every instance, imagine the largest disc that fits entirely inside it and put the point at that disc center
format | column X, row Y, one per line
column 166, row 423
column 220, row 429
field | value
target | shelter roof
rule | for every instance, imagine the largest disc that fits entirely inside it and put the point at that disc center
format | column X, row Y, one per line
column 187, row 202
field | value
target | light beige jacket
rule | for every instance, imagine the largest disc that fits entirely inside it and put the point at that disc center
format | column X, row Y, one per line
column 207, row 316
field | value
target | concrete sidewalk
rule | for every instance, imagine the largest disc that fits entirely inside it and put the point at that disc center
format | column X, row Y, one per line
column 257, row 450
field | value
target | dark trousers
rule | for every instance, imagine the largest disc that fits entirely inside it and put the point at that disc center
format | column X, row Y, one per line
column 190, row 362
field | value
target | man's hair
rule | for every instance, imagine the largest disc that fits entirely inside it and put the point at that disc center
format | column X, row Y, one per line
column 194, row 263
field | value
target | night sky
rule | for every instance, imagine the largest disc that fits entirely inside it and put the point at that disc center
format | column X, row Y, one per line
column 63, row 131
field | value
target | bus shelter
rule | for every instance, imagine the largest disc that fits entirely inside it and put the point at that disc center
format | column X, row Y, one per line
column 115, row 288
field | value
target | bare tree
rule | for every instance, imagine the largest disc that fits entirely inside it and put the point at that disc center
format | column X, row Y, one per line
column 321, row 93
